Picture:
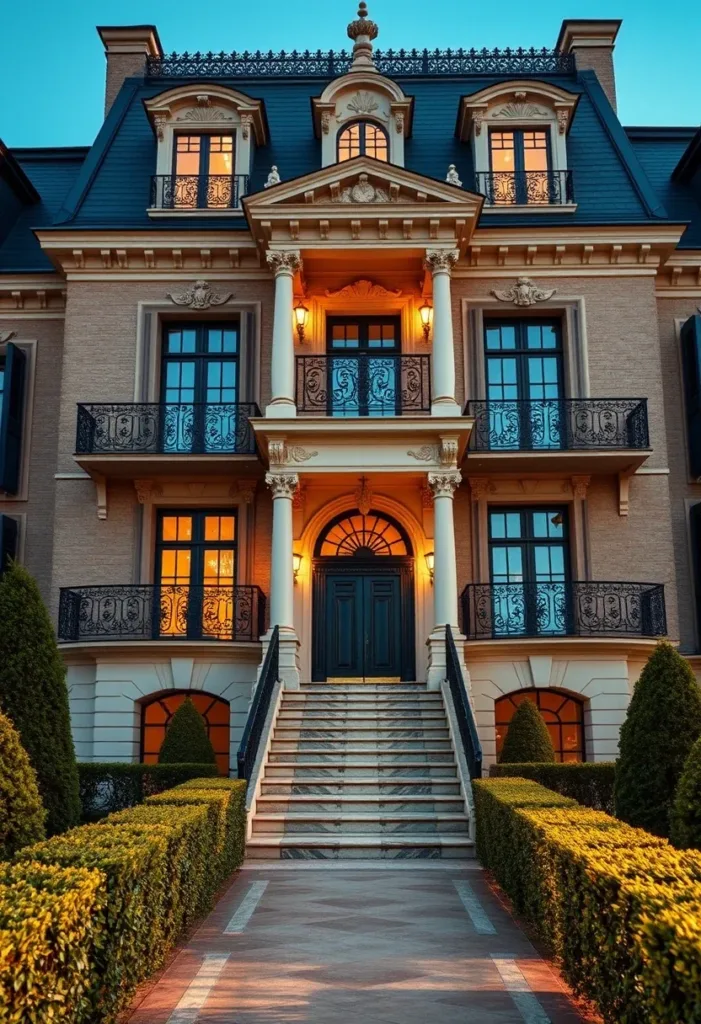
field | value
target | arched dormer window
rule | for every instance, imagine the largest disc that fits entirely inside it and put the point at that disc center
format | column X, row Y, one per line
column 363, row 138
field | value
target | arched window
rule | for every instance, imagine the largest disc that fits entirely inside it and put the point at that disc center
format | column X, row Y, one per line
column 362, row 138
column 356, row 535
column 563, row 714
column 157, row 712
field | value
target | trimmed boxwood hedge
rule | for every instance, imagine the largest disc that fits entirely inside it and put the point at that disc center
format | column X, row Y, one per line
column 132, row 884
column 589, row 783
column 109, row 786
column 619, row 907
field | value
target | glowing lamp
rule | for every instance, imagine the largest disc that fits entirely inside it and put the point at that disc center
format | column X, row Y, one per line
column 301, row 314
column 429, row 563
column 426, row 314
column 296, row 565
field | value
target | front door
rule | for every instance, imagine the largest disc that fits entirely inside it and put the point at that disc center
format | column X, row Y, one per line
column 363, row 625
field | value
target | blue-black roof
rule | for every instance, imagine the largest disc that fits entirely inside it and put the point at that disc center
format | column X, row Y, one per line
column 659, row 151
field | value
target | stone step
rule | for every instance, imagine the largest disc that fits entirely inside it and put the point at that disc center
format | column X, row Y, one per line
column 352, row 717
column 357, row 732
column 356, row 822
column 387, row 750
column 385, row 689
column 340, row 806
column 359, row 847
column 299, row 697
column 371, row 786
column 299, row 765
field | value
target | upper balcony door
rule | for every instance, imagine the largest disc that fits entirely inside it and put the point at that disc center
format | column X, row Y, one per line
column 524, row 373
column 521, row 167
column 203, row 169
column 199, row 388
column 364, row 366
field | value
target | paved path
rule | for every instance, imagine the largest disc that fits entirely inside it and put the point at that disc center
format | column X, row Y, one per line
column 333, row 945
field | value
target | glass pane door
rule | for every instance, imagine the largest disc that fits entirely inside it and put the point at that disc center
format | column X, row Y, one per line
column 364, row 375
column 203, row 171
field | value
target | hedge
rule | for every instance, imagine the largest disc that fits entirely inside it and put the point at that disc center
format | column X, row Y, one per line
column 139, row 879
column 619, row 907
column 589, row 783
column 106, row 787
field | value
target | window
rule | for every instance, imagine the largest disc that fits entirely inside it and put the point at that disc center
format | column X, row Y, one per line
column 354, row 534
column 362, row 138
column 564, row 717
column 203, row 171
column 363, row 366
column 157, row 713
column 529, row 566
column 520, row 167
column 691, row 363
column 199, row 388
column 12, row 375
column 196, row 572
column 9, row 529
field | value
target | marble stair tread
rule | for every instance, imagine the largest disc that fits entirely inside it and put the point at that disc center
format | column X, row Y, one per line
column 359, row 747
column 323, row 780
column 356, row 798
column 363, row 839
column 359, row 816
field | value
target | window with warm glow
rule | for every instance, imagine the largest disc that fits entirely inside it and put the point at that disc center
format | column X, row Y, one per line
column 363, row 138
column 157, row 713
column 203, row 171
column 520, row 166
column 355, row 534
column 563, row 714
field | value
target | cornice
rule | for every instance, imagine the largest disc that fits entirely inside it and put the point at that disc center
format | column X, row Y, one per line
column 37, row 296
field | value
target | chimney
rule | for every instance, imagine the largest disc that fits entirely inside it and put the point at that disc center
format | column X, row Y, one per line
column 592, row 42
column 126, row 50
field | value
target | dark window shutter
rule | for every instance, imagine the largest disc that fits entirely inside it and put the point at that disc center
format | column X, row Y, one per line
column 691, row 362
column 8, row 541
column 11, row 420
column 695, row 529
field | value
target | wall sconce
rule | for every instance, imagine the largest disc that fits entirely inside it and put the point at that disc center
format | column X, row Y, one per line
column 426, row 314
column 301, row 314
column 296, row 565
column 429, row 564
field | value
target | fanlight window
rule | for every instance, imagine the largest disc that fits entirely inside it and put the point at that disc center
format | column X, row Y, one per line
column 362, row 536
column 362, row 138
column 564, row 717
column 157, row 713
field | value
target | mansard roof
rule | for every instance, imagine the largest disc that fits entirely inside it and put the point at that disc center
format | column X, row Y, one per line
column 661, row 152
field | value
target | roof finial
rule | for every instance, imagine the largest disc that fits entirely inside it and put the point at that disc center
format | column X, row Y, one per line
column 362, row 32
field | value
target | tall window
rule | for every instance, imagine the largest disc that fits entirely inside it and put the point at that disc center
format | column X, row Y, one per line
column 203, row 168
column 364, row 375
column 363, row 138
column 157, row 713
column 564, row 717
column 529, row 563
column 199, row 387
column 520, row 164
column 196, row 573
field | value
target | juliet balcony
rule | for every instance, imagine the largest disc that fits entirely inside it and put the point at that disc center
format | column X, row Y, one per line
column 578, row 434
column 140, row 611
column 198, row 192
column 351, row 385
column 505, row 611
column 525, row 188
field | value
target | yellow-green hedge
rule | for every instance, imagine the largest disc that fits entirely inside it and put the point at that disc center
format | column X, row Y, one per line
column 620, row 907
column 131, row 883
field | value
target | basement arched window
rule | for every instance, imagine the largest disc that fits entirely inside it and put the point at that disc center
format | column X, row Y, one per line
column 563, row 714
column 156, row 713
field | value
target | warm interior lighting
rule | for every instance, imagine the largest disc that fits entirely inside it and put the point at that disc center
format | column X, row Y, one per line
column 426, row 314
column 429, row 563
column 296, row 565
column 301, row 317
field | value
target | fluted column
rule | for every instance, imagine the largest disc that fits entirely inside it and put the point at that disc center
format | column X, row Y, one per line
column 282, row 376
column 283, row 487
column 445, row 573
column 440, row 263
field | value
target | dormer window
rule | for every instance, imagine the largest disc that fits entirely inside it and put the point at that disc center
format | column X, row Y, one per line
column 363, row 138
column 520, row 167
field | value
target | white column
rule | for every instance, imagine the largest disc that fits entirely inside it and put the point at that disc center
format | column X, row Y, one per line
column 440, row 262
column 282, row 375
column 445, row 573
column 283, row 487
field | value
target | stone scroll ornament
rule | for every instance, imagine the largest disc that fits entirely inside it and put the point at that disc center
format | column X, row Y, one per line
column 200, row 295
column 524, row 292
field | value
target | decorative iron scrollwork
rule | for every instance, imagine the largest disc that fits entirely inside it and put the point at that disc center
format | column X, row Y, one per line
column 364, row 384
column 197, row 192
column 535, row 188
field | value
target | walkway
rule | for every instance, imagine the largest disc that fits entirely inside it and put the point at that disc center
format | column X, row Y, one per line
column 423, row 944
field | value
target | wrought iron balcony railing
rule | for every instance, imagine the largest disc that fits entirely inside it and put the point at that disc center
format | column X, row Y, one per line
column 525, row 188
column 382, row 384
column 498, row 611
column 559, row 424
column 143, row 611
column 197, row 191
column 150, row 428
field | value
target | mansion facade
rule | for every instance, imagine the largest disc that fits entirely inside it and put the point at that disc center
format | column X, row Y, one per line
column 356, row 345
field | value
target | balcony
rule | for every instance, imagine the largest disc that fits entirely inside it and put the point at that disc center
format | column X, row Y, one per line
column 587, row 434
column 141, row 611
column 120, row 439
column 214, row 193
column 351, row 385
column 502, row 611
column 525, row 188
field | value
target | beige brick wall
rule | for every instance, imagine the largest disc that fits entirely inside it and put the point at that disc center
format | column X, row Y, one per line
column 119, row 67
column 600, row 60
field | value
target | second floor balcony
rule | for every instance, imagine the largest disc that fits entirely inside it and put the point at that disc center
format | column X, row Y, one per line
column 351, row 385
column 525, row 188
column 189, row 192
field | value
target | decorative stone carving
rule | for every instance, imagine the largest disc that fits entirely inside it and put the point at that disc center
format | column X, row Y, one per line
column 147, row 491
column 580, row 485
column 478, row 121
column 399, row 122
column 159, row 123
column 520, row 111
column 325, row 121
column 363, row 289
column 288, row 262
column 444, row 485
column 452, row 176
column 246, row 122
column 426, row 453
column 449, row 452
column 363, row 496
column 6, row 336
column 524, row 292
column 273, row 177
column 200, row 295
column 439, row 261
column 363, row 103
column 281, row 454
column 563, row 119
column 296, row 453
column 204, row 114
column 362, row 32
column 362, row 192
column 282, row 485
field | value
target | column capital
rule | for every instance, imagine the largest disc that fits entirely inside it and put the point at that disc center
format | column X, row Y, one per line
column 440, row 261
column 282, row 485
column 444, row 485
column 284, row 262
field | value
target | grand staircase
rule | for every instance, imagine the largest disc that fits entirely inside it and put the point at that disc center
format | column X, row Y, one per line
column 360, row 770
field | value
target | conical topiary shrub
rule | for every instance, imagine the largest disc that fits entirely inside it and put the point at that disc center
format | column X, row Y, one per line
column 685, row 829
column 662, row 724
column 186, row 740
column 34, row 696
column 527, row 738
column 22, row 813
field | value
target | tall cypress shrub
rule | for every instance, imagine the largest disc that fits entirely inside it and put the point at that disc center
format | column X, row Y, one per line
column 34, row 696
column 527, row 738
column 22, row 813
column 662, row 724
column 685, row 829
column 186, row 740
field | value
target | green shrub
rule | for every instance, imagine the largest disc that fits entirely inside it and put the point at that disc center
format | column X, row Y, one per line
column 33, row 695
column 662, row 724
column 186, row 740
column 686, row 810
column 589, row 783
column 527, row 737
column 22, row 813
column 106, row 787
column 619, row 907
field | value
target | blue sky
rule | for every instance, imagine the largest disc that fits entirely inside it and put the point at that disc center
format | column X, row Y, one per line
column 52, row 82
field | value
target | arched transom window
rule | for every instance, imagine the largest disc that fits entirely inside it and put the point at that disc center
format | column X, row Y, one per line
column 157, row 712
column 356, row 535
column 563, row 714
column 362, row 138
